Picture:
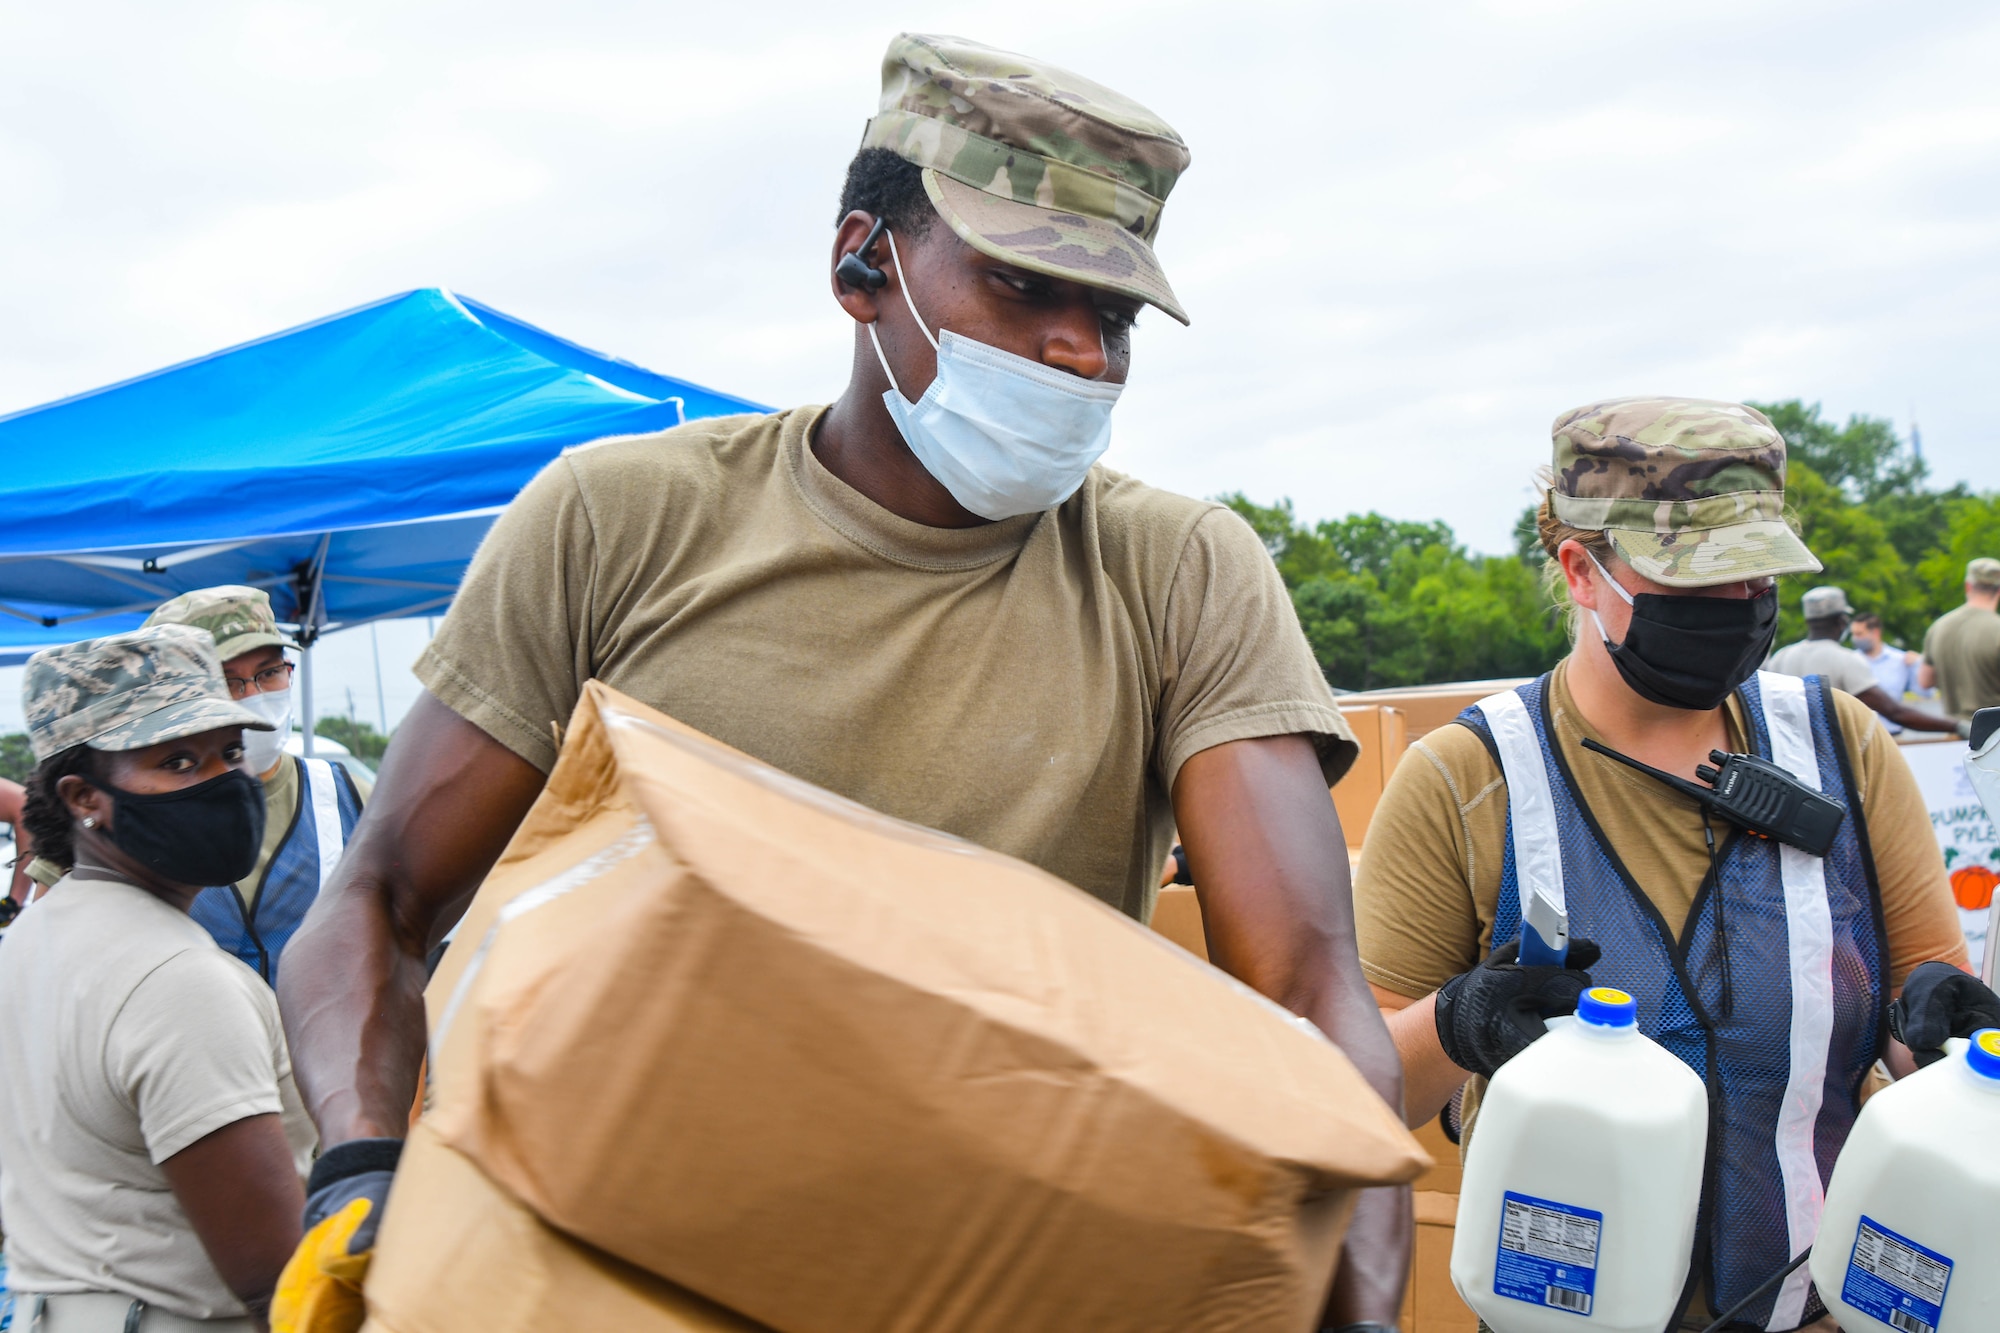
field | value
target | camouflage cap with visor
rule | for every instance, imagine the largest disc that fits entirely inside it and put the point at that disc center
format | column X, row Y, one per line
column 127, row 691
column 238, row 618
column 1690, row 492
column 1031, row 164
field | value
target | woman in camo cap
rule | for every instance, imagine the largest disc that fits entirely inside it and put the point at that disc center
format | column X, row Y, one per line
column 151, row 1142
column 1766, row 966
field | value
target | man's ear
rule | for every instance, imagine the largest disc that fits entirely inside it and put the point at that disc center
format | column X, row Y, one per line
column 862, row 303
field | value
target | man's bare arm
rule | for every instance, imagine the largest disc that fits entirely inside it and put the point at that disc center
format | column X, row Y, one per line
column 1270, row 866
column 1910, row 719
column 352, row 986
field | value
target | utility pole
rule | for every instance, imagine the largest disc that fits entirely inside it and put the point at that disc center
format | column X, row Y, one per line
column 381, row 708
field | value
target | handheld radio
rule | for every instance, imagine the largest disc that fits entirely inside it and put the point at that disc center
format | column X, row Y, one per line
column 1754, row 794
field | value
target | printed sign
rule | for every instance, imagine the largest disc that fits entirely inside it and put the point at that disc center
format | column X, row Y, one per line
column 1895, row 1279
column 1548, row 1253
column 1965, row 834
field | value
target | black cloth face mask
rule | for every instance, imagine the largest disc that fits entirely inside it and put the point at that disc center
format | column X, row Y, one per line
column 1691, row 652
column 207, row 834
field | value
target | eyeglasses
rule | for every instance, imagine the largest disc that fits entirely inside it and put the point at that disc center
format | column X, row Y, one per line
column 271, row 678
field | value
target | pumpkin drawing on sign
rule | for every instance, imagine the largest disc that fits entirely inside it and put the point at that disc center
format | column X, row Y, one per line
column 1973, row 887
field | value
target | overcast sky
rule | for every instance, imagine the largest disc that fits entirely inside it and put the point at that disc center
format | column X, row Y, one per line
column 1412, row 233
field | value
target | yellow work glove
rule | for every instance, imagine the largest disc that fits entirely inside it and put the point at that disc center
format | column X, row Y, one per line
column 320, row 1289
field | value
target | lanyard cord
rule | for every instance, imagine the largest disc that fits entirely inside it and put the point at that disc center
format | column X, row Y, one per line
column 1764, row 1287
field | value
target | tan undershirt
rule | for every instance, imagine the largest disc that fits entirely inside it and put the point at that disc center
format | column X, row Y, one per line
column 1428, row 885
column 281, row 806
column 1963, row 646
column 1033, row 685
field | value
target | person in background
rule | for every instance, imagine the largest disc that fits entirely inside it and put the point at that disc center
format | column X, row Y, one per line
column 1664, row 521
column 152, row 1145
column 1821, row 653
column 11, row 796
column 1895, row 668
column 33, row 875
column 1962, row 649
column 312, row 804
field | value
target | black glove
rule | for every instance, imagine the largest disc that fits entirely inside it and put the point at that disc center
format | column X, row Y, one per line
column 1489, row 1015
column 1939, row 1001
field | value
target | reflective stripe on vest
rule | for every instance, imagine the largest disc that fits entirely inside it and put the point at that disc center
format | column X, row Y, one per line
column 1537, row 843
column 326, row 816
column 1810, row 926
column 1785, row 1066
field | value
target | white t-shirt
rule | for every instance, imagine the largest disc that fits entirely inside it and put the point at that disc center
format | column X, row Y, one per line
column 1841, row 666
column 125, row 1036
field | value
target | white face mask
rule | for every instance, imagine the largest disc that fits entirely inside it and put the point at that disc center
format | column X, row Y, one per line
column 262, row 748
column 1005, row 435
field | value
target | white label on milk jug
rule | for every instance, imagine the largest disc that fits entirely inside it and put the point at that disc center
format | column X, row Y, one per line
column 1895, row 1279
column 1548, row 1253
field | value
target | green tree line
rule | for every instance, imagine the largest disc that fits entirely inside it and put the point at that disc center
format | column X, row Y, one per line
column 1387, row 602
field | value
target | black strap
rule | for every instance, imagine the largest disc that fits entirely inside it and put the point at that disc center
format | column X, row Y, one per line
column 354, row 1158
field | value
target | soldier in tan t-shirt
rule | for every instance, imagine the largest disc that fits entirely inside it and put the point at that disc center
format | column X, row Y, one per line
column 1962, row 649
column 926, row 597
column 1665, row 520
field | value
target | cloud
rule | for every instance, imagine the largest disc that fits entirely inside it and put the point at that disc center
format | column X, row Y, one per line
column 1411, row 235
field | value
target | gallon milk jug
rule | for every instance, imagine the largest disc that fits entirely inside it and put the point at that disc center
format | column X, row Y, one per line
column 1910, row 1239
column 1582, row 1180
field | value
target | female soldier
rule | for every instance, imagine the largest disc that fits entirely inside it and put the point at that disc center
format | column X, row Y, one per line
column 151, row 1142
column 1767, row 969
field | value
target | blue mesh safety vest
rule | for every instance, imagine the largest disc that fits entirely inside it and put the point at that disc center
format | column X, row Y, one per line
column 258, row 933
column 1773, row 992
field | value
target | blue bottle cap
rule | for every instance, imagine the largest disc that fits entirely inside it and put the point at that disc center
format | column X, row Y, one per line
column 1984, row 1053
column 1609, row 1007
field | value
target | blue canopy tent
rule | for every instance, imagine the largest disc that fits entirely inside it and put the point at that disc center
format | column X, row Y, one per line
column 348, row 466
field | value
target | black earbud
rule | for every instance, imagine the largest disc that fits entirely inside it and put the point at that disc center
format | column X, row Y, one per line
column 854, row 269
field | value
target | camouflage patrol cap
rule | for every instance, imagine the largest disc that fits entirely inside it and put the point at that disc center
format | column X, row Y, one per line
column 1821, row 602
column 1691, row 492
column 1032, row 164
column 126, row 691
column 238, row 618
column 1983, row 572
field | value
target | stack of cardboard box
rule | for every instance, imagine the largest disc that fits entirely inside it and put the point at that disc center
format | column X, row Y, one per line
column 710, row 1030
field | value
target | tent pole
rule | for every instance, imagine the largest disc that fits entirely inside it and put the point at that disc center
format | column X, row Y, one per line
column 306, row 697
column 311, row 582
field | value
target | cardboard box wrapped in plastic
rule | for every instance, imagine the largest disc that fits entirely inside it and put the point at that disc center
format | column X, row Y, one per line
column 836, row 1072
column 458, row 1254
